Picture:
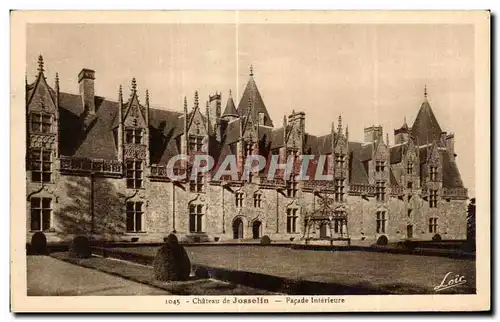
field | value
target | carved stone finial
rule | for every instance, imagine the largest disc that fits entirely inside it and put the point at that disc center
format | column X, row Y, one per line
column 147, row 97
column 57, row 82
column 251, row 70
column 340, row 124
column 134, row 85
column 120, row 94
column 40, row 64
column 230, row 93
column 196, row 101
column 425, row 91
column 185, row 105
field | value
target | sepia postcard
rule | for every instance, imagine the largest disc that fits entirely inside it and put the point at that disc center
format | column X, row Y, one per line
column 250, row 161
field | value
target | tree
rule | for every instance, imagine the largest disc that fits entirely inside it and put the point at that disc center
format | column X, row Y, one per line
column 471, row 221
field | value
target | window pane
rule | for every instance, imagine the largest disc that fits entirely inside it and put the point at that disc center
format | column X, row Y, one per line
column 138, row 165
column 46, row 203
column 36, row 117
column 138, row 183
column 46, row 118
column 130, row 221
column 36, row 176
column 138, row 221
column 46, row 155
column 130, row 164
column 35, row 220
column 36, row 165
column 46, row 177
column 192, row 208
column 130, row 206
column 46, row 219
column 45, row 128
column 192, row 223
column 199, row 208
column 35, row 202
column 46, row 166
column 138, row 206
column 199, row 227
column 35, row 154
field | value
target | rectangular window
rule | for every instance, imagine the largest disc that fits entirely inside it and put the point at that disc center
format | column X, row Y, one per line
column 339, row 160
column 239, row 199
column 339, row 190
column 409, row 168
column 196, row 218
column 409, row 213
column 433, row 226
column 134, row 174
column 195, row 143
column 291, row 187
column 381, row 222
column 433, row 173
column 433, row 198
column 409, row 185
column 134, row 216
column 41, row 212
column 291, row 220
column 380, row 190
column 133, row 136
column 196, row 185
column 257, row 200
column 41, row 165
column 379, row 166
column 41, row 123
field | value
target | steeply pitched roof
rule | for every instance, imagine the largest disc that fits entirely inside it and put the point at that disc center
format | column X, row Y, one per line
column 252, row 92
column 230, row 107
column 451, row 175
column 396, row 153
column 357, row 171
column 426, row 128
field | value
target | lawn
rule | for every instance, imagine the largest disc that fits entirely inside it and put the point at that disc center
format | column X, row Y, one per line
column 382, row 270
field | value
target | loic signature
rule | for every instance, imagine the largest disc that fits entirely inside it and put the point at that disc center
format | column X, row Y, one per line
column 449, row 282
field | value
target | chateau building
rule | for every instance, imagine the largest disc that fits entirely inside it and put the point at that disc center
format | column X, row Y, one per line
column 98, row 167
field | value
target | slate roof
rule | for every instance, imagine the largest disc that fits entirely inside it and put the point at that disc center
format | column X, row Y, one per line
column 396, row 153
column 230, row 108
column 426, row 128
column 252, row 92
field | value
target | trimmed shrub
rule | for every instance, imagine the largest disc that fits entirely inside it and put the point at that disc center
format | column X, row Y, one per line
column 171, row 239
column 171, row 262
column 436, row 237
column 39, row 243
column 201, row 272
column 265, row 240
column 382, row 240
column 80, row 247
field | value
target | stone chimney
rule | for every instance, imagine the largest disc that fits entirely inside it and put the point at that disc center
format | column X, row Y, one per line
column 86, row 82
column 373, row 133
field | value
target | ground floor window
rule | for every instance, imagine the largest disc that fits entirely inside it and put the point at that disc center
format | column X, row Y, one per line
column 41, row 213
column 433, row 225
column 338, row 225
column 291, row 220
column 196, row 218
column 134, row 216
column 381, row 221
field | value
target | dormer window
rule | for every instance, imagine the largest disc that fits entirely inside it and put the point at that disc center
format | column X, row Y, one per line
column 409, row 168
column 433, row 173
column 133, row 136
column 195, row 143
column 379, row 166
column 41, row 123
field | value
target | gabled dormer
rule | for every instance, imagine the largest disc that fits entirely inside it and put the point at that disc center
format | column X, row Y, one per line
column 410, row 163
column 195, row 129
column 134, row 131
column 42, row 117
column 340, row 153
column 294, row 133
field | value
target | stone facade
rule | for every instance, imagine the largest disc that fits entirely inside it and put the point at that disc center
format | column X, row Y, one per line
column 98, row 167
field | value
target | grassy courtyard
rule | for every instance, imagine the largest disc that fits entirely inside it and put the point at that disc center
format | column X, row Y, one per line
column 391, row 272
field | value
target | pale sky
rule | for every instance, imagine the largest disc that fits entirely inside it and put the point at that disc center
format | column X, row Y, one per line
column 370, row 74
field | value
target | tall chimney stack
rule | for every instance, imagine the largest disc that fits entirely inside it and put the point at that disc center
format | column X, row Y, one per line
column 86, row 82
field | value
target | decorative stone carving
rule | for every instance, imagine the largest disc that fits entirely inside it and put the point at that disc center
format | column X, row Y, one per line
column 46, row 141
column 135, row 151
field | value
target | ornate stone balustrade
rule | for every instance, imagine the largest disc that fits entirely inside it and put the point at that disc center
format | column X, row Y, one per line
column 362, row 189
column 321, row 185
column 455, row 193
column 397, row 191
column 86, row 165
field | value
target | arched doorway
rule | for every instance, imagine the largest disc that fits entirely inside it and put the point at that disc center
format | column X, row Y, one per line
column 256, row 229
column 238, row 228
